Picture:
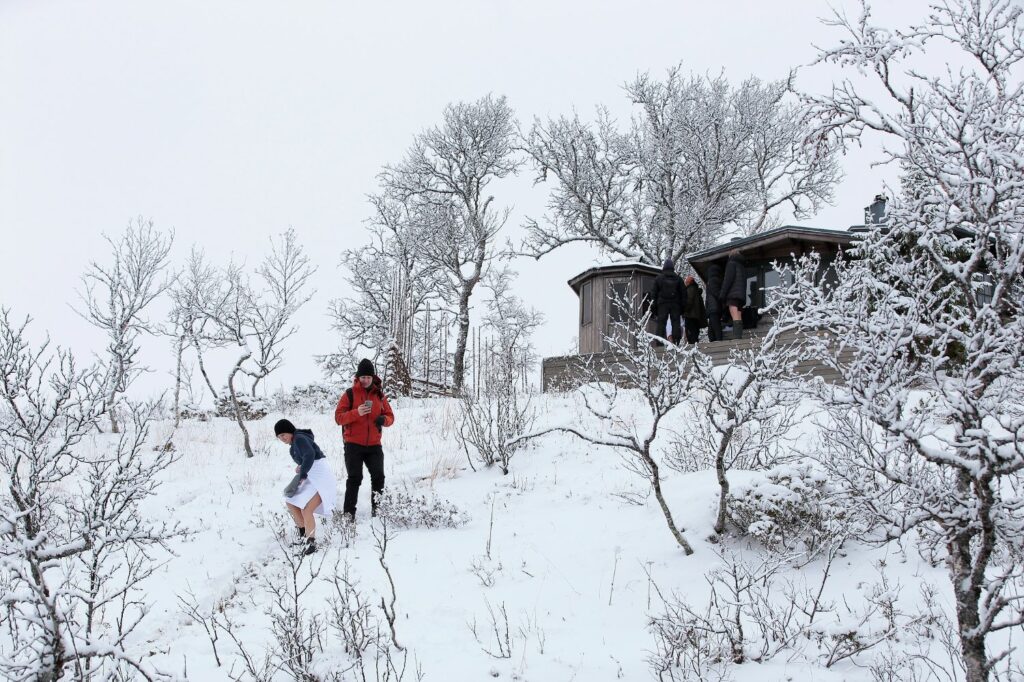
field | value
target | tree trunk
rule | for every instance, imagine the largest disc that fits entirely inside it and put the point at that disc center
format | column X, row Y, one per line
column 972, row 642
column 655, row 477
column 114, row 427
column 723, row 486
column 202, row 369
column 967, row 568
column 177, row 380
column 460, row 343
column 234, row 406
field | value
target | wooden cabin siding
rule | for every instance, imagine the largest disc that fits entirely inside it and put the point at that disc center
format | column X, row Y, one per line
column 565, row 373
column 592, row 336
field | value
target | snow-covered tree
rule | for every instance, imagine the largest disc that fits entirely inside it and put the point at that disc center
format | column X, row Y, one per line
column 739, row 414
column 443, row 184
column 662, row 379
column 189, row 327
column 389, row 283
column 499, row 413
column 700, row 154
column 929, row 311
column 258, row 320
column 74, row 548
column 116, row 296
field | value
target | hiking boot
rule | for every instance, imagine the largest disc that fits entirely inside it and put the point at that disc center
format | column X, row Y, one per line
column 310, row 546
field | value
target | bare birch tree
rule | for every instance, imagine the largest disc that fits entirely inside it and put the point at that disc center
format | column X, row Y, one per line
column 190, row 328
column 930, row 311
column 739, row 413
column 258, row 323
column 444, row 182
column 699, row 155
column 389, row 284
column 116, row 296
column 73, row 546
column 663, row 381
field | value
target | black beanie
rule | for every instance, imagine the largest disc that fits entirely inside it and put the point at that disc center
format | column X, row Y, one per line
column 365, row 369
column 283, row 426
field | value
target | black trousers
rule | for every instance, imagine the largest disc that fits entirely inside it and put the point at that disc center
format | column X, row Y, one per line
column 663, row 317
column 692, row 329
column 355, row 457
column 715, row 327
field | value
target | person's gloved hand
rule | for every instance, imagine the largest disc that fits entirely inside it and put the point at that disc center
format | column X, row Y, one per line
column 379, row 421
column 293, row 486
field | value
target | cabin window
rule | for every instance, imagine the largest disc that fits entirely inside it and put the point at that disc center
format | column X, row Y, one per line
column 618, row 295
column 586, row 303
column 772, row 280
column 983, row 288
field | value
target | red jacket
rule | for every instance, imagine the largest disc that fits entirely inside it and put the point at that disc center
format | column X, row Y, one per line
column 363, row 430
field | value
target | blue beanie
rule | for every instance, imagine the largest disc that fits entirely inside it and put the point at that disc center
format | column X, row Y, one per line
column 669, row 265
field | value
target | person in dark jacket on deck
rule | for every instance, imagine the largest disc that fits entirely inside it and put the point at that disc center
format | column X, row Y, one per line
column 363, row 412
column 313, row 491
column 668, row 297
column 713, row 303
column 694, row 317
column 734, row 291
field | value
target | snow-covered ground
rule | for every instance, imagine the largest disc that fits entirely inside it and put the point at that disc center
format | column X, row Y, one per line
column 577, row 569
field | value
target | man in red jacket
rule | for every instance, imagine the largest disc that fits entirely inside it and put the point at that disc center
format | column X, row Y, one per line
column 363, row 412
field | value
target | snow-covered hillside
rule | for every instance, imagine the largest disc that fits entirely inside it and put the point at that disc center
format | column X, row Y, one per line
column 577, row 569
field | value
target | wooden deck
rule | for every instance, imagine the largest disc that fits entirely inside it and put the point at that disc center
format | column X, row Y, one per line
column 564, row 373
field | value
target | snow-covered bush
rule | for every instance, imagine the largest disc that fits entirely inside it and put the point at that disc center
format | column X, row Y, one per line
column 195, row 412
column 925, row 324
column 790, row 507
column 313, row 397
column 405, row 508
column 75, row 550
column 250, row 408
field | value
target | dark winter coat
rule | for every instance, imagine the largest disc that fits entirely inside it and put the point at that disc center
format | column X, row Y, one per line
column 304, row 450
column 668, row 295
column 713, row 291
column 734, row 285
column 363, row 430
column 694, row 307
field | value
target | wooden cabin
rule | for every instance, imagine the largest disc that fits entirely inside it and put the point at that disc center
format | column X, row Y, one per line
column 598, row 288
column 601, row 291
column 760, row 251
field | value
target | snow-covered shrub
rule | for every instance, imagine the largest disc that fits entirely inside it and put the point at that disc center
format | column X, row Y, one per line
column 195, row 412
column 252, row 408
column 313, row 397
column 752, row 614
column 75, row 550
column 493, row 424
column 791, row 507
column 407, row 509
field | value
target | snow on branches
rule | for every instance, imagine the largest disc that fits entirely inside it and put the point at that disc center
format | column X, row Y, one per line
column 928, row 311
column 700, row 154
column 74, row 548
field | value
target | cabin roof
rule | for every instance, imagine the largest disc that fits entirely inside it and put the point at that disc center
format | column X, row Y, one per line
column 795, row 233
column 621, row 267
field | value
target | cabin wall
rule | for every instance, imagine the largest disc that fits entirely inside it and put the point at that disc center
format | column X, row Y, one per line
column 592, row 336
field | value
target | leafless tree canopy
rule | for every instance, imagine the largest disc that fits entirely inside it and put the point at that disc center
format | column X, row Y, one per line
column 230, row 310
column 699, row 155
column 930, row 311
column 116, row 296
column 73, row 546
column 436, row 223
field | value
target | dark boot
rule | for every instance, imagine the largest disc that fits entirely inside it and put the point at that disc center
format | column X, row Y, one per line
column 310, row 546
column 737, row 330
column 300, row 536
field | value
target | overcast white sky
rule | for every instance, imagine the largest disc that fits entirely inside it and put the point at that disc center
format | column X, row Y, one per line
column 230, row 121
